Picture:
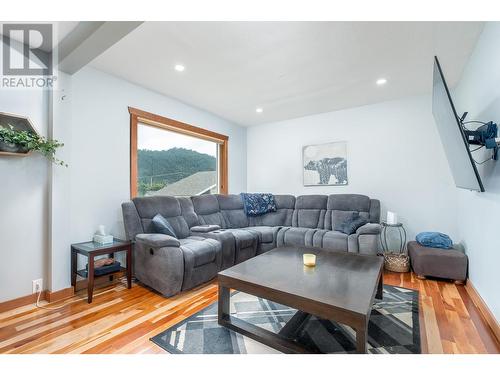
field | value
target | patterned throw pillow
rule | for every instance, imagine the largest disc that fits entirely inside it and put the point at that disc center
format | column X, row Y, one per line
column 161, row 225
column 258, row 204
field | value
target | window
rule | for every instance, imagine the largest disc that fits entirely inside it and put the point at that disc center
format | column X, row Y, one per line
column 168, row 157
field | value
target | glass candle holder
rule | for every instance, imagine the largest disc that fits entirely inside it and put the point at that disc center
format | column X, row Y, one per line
column 309, row 260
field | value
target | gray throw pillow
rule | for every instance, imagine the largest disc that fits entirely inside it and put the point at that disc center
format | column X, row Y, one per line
column 161, row 225
column 348, row 217
column 352, row 226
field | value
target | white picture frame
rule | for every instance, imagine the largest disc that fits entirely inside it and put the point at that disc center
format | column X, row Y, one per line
column 325, row 164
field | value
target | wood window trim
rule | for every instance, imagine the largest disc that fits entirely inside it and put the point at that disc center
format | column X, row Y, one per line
column 139, row 116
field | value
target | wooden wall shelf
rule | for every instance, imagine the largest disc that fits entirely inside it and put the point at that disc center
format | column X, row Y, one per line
column 4, row 153
column 19, row 123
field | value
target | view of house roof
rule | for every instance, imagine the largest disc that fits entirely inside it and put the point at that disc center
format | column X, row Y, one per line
column 197, row 184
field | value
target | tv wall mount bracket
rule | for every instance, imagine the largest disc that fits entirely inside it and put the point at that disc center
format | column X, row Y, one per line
column 486, row 135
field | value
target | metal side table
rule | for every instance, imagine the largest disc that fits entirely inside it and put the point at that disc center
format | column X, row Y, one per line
column 402, row 236
column 396, row 260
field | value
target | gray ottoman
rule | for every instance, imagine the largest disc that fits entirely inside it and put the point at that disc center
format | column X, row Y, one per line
column 443, row 263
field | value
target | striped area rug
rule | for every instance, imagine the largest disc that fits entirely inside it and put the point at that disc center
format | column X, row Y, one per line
column 393, row 328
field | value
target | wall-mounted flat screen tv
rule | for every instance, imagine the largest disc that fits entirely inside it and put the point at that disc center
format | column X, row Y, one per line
column 452, row 135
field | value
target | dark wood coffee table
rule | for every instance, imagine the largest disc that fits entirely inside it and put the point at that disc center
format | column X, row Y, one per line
column 341, row 288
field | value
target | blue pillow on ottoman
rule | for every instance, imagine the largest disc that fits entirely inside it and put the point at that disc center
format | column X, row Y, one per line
column 434, row 239
column 161, row 225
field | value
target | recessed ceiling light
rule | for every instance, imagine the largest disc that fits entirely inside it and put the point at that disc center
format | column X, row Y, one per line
column 381, row 81
column 179, row 67
column 259, row 110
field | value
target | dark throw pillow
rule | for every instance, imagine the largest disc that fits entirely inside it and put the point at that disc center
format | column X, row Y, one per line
column 351, row 224
column 161, row 225
column 345, row 218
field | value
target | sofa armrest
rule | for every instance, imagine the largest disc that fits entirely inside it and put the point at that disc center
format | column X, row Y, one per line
column 157, row 240
column 370, row 228
column 204, row 228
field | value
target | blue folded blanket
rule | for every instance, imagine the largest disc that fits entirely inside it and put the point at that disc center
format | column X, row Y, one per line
column 258, row 204
column 434, row 239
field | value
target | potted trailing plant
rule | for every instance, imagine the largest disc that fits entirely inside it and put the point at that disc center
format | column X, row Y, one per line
column 24, row 141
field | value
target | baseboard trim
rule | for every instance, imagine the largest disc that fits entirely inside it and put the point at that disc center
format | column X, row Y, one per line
column 21, row 301
column 59, row 294
column 50, row 296
column 484, row 309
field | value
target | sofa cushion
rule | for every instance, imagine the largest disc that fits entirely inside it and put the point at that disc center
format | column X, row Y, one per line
column 204, row 228
column 374, row 213
column 235, row 218
column 205, row 204
column 202, row 249
column 266, row 234
column 369, row 228
column 293, row 236
column 228, row 245
column 131, row 220
column 285, row 205
column 208, row 210
column 157, row 240
column 306, row 218
column 348, row 202
column 161, row 225
column 335, row 241
column 231, row 208
column 148, row 207
column 297, row 236
column 309, row 211
column 168, row 207
column 243, row 237
column 311, row 202
column 187, row 211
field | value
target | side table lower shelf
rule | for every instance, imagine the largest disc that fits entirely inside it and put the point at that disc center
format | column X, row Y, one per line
column 91, row 250
column 84, row 273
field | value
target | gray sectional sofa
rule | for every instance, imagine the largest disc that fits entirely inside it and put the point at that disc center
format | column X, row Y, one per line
column 169, row 265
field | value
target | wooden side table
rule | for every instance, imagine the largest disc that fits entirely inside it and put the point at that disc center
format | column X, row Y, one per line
column 93, row 249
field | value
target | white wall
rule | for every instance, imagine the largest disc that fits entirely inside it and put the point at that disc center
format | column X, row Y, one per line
column 23, row 201
column 479, row 93
column 60, row 186
column 45, row 209
column 99, row 155
column 394, row 154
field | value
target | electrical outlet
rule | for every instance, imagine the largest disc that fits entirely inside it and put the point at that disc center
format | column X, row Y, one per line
column 37, row 285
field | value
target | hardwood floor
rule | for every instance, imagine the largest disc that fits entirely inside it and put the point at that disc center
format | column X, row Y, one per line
column 122, row 320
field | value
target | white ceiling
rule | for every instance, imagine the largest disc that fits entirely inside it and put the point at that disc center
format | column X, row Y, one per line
column 290, row 69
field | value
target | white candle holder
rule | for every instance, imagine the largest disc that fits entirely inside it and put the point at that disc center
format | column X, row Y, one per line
column 309, row 260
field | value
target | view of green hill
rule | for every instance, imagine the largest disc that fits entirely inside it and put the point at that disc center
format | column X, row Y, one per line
column 157, row 168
